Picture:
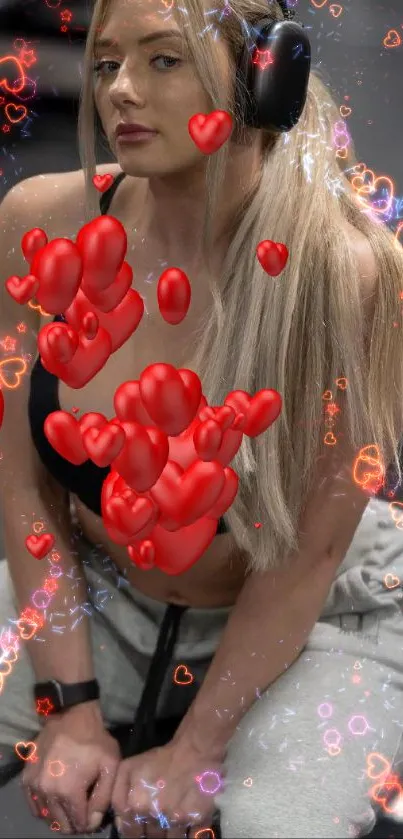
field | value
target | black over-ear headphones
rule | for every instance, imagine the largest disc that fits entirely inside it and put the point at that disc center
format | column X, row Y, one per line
column 272, row 74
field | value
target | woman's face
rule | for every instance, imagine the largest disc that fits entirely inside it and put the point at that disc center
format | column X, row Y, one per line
column 144, row 76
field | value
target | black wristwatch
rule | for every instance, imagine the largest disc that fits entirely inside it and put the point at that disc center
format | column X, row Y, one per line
column 53, row 697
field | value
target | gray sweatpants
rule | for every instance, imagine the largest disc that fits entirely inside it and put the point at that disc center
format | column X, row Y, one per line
column 311, row 754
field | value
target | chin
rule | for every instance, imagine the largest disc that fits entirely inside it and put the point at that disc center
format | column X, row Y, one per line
column 145, row 163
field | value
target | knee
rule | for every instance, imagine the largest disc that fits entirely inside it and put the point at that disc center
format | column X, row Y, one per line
column 262, row 811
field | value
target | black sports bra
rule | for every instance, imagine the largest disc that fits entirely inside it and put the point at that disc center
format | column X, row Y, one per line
column 84, row 481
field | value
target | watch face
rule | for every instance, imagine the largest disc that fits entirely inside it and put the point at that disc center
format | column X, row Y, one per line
column 47, row 699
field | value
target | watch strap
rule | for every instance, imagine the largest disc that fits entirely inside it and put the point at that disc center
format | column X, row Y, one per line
column 69, row 695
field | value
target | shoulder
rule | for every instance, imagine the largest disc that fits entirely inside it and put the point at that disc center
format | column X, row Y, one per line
column 54, row 201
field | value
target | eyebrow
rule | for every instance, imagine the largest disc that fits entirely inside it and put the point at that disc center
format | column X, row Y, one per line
column 106, row 43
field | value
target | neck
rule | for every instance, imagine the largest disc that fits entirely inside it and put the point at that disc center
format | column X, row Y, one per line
column 175, row 206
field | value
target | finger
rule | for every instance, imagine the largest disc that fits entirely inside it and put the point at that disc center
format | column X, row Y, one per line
column 76, row 811
column 100, row 799
column 131, row 825
column 32, row 799
column 157, row 828
column 56, row 813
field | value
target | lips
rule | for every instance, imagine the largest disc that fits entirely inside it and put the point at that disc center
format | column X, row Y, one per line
column 133, row 129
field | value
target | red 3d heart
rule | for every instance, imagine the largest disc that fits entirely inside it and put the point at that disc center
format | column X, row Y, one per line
column 115, row 486
column 58, row 267
column 63, row 433
column 102, row 244
column 62, row 342
column 120, row 323
column 176, row 552
column 91, row 420
column 207, row 439
column 117, row 536
column 210, row 131
column 143, row 456
column 89, row 357
column 102, row 182
column 272, row 257
column 22, row 289
column 227, row 496
column 181, row 447
column 108, row 299
column 173, row 294
column 144, row 558
column 128, row 405
column 223, row 415
column 261, row 410
column 187, row 496
column 104, row 444
column 39, row 546
column 170, row 396
column 131, row 514
column 32, row 241
column 231, row 441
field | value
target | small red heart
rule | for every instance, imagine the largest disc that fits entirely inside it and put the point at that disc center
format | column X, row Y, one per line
column 22, row 289
column 128, row 405
column 183, row 676
column 207, row 439
column 26, row 751
column 185, row 496
column 131, row 514
column 210, row 131
column 170, row 396
column 144, row 558
column 58, row 267
column 261, row 410
column 105, row 444
column 176, row 552
column 110, row 297
column 92, row 419
column 173, row 294
column 32, row 241
column 227, row 496
column 63, row 433
column 39, row 546
column 119, row 323
column 272, row 256
column 89, row 357
column 102, row 244
column 62, row 341
column 143, row 456
column 102, row 182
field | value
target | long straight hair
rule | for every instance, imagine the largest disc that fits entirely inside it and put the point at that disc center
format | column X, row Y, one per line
column 305, row 330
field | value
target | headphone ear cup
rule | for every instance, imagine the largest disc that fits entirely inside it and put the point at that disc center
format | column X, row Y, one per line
column 272, row 76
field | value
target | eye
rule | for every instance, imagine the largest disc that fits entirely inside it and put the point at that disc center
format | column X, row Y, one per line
column 167, row 61
column 99, row 66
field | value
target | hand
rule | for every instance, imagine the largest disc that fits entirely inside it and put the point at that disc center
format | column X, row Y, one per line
column 75, row 755
column 163, row 792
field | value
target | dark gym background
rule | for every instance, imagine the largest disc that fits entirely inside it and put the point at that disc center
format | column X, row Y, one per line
column 348, row 47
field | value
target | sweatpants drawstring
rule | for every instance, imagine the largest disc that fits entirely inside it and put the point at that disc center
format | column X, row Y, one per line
column 142, row 735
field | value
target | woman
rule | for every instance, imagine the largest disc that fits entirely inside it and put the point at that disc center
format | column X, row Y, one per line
column 291, row 619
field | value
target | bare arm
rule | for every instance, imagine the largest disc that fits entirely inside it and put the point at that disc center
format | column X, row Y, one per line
column 27, row 492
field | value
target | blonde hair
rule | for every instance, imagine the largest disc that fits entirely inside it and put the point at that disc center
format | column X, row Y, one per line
column 298, row 333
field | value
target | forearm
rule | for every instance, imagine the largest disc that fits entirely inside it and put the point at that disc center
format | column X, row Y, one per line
column 65, row 656
column 267, row 629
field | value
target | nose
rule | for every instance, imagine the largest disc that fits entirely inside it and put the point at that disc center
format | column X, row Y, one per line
column 127, row 89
